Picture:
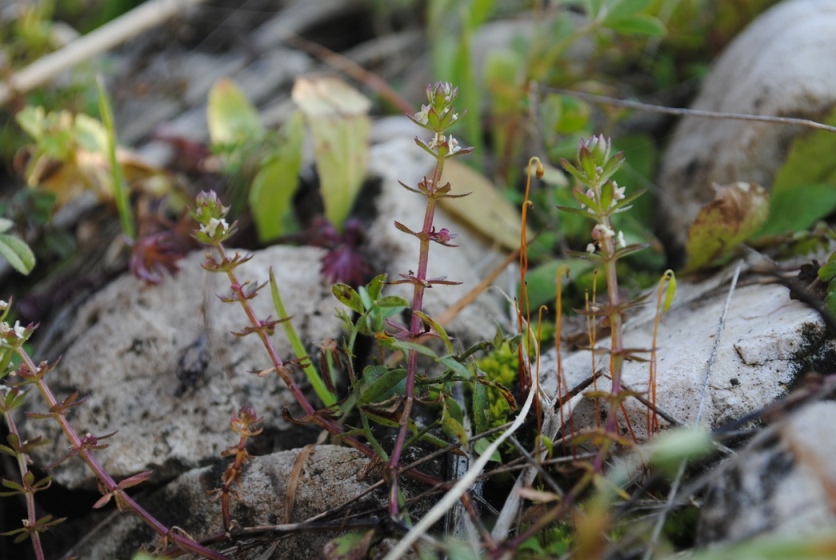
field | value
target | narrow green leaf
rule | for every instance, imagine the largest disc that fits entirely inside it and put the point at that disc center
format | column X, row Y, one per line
column 17, row 252
column 481, row 404
column 670, row 291
column 392, row 382
column 376, row 285
column 481, row 445
column 392, row 302
column 439, row 330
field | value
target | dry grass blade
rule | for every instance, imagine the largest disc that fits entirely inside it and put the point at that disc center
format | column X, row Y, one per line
column 118, row 31
column 456, row 492
column 681, row 112
column 660, row 521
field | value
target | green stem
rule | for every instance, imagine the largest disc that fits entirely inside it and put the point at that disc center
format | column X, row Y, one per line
column 120, row 188
column 325, row 395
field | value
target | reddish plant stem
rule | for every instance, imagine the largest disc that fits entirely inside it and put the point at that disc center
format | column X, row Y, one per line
column 321, row 421
column 106, row 480
column 415, row 330
column 31, row 513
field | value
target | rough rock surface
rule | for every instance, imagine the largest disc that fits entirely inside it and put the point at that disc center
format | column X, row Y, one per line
column 328, row 479
column 160, row 365
column 782, row 482
column 767, row 341
column 779, row 66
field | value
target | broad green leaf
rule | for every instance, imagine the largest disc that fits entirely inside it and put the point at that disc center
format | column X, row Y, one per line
column 809, row 159
column 31, row 120
column 799, row 208
column 232, row 118
column 348, row 296
column 271, row 194
column 17, row 252
column 622, row 8
column 5, row 225
column 91, row 134
column 486, row 211
column 541, row 281
column 638, row 24
column 737, row 212
column 450, row 425
column 352, row 546
column 338, row 118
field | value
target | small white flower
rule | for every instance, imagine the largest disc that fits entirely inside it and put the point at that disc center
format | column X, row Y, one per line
column 603, row 231
column 214, row 223
column 619, row 240
column 453, row 144
column 5, row 328
column 618, row 192
column 422, row 116
column 20, row 331
column 437, row 140
column 590, row 248
column 455, row 116
column 3, row 305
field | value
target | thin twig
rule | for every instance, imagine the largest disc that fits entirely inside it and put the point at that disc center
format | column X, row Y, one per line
column 660, row 521
column 682, row 112
column 121, row 29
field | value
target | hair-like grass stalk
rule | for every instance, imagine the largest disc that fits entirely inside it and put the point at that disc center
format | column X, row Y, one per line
column 666, row 290
column 120, row 187
column 327, row 396
column 83, row 446
column 436, row 117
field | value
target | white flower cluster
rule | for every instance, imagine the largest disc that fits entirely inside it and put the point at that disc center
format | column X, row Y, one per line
column 213, row 225
column 439, row 139
column 18, row 329
column 601, row 232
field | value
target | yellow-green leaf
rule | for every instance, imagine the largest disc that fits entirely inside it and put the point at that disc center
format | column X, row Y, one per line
column 485, row 210
column 271, row 193
column 737, row 212
column 232, row 118
column 339, row 121
column 17, row 252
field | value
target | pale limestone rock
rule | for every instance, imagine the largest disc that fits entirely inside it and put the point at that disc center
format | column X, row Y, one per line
column 160, row 365
column 329, row 478
column 781, row 483
column 768, row 340
column 781, row 65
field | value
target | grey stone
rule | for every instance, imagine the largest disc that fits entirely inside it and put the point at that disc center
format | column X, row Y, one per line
column 767, row 341
column 781, row 483
column 779, row 66
column 160, row 365
column 331, row 476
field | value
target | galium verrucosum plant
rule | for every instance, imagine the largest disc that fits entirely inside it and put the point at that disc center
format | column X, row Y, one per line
column 246, row 424
column 600, row 199
column 214, row 230
column 436, row 117
column 12, row 340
